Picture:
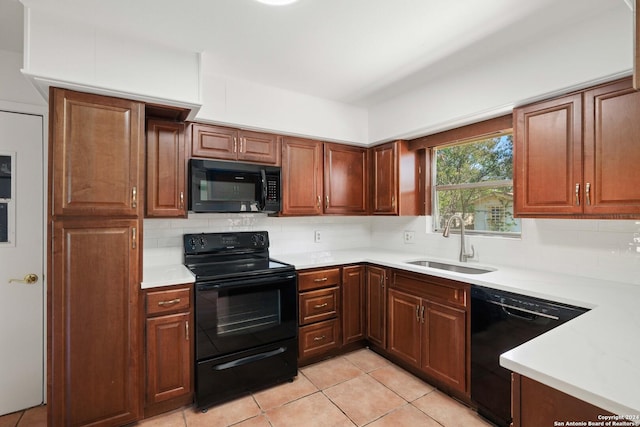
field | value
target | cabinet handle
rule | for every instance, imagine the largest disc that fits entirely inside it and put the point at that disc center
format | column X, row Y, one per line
column 235, row 145
column 320, row 305
column 393, row 202
column 327, row 202
column 241, row 144
column 186, row 330
column 418, row 313
column 319, row 201
column 182, row 200
column 169, row 302
column 324, row 279
column 134, row 235
column 320, row 338
column 134, row 197
column 422, row 313
column 587, row 191
column 578, row 194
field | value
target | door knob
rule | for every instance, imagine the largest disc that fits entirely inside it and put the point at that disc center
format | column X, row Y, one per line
column 28, row 279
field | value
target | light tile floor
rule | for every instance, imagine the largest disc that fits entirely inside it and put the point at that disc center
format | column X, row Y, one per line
column 358, row 389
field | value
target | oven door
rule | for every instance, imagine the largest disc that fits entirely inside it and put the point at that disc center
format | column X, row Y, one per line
column 238, row 314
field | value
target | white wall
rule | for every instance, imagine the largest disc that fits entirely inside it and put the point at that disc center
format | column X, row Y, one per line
column 241, row 103
column 14, row 87
column 585, row 52
column 604, row 249
column 163, row 237
column 62, row 50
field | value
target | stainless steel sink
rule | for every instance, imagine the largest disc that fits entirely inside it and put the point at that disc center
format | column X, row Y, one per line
column 450, row 267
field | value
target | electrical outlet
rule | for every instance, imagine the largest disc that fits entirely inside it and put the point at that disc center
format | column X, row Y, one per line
column 409, row 237
column 317, row 237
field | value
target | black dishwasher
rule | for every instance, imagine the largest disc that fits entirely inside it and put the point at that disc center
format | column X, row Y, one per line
column 500, row 321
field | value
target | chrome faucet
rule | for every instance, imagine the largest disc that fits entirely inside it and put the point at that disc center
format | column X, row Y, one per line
column 464, row 256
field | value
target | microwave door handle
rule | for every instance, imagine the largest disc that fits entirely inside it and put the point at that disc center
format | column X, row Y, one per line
column 263, row 177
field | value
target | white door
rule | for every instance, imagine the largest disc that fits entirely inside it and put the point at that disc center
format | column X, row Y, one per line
column 21, row 255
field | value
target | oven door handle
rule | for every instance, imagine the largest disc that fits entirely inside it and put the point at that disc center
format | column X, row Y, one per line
column 249, row 359
column 246, row 281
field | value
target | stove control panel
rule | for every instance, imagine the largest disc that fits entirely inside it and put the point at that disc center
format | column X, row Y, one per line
column 210, row 243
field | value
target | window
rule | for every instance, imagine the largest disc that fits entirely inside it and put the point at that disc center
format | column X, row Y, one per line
column 474, row 179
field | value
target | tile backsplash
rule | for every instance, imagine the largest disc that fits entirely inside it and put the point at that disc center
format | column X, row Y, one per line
column 607, row 249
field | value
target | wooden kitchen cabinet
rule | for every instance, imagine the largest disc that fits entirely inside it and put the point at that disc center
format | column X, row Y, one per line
column 443, row 344
column 534, row 404
column 319, row 311
column 395, row 180
column 217, row 142
column 321, row 178
column 559, row 170
column 428, row 327
column 95, row 335
column 375, row 295
column 169, row 348
column 345, row 180
column 353, row 303
column 404, row 326
column 166, row 165
column 96, row 154
column 302, row 177
column 611, row 150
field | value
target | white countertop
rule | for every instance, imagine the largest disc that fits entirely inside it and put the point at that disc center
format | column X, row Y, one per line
column 156, row 276
column 595, row 357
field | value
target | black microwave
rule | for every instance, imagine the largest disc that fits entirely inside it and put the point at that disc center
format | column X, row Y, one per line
column 216, row 186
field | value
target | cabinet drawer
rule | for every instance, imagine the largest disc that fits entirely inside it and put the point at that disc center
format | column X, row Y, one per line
column 318, row 338
column 318, row 305
column 168, row 301
column 318, row 279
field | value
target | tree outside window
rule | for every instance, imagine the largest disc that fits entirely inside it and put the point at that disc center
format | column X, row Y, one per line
column 475, row 180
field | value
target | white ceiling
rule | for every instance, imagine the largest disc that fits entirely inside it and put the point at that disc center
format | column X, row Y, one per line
column 359, row 52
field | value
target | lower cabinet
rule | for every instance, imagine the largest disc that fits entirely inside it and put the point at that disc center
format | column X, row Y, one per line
column 534, row 404
column 94, row 331
column 353, row 320
column 428, row 327
column 169, row 348
column 375, row 305
column 319, row 312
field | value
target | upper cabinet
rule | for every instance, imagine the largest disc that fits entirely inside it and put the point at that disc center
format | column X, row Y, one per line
column 395, row 180
column 96, row 154
column 559, row 170
column 217, row 142
column 166, row 163
column 301, row 177
column 322, row 178
column 345, row 179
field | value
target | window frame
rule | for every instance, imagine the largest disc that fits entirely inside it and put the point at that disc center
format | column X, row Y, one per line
column 434, row 212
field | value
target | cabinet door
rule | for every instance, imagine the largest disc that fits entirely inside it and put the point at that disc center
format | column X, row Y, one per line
column 612, row 150
column 548, row 157
column 96, row 154
column 443, row 339
column 301, row 177
column 95, row 336
column 345, row 179
column 214, row 142
column 353, row 320
column 375, row 305
column 168, row 357
column 259, row 147
column 404, row 326
column 384, row 175
column 166, row 191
